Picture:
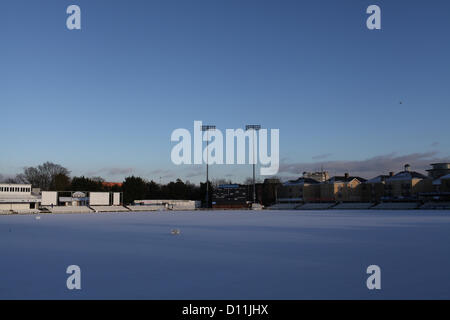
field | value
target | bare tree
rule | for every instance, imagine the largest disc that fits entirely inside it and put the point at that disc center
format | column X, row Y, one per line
column 4, row 179
column 30, row 175
column 42, row 176
column 98, row 179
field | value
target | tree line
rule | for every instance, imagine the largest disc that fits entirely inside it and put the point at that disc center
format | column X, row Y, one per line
column 54, row 177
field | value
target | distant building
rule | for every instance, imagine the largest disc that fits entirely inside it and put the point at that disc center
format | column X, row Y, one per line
column 299, row 191
column 320, row 176
column 406, row 185
column 443, row 184
column 231, row 196
column 344, row 188
column 18, row 198
column 112, row 184
column 266, row 192
column 373, row 190
column 439, row 191
column 439, row 170
column 80, row 199
column 74, row 199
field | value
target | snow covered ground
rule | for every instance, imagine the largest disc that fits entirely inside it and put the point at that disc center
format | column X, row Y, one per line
column 227, row 255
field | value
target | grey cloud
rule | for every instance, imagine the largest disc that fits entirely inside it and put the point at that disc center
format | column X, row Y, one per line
column 322, row 156
column 366, row 168
column 114, row 171
column 163, row 173
column 119, row 171
column 195, row 172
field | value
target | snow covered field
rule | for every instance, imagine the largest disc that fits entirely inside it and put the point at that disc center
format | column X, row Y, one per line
column 227, row 255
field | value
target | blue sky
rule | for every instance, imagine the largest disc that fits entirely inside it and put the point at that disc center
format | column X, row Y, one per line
column 104, row 100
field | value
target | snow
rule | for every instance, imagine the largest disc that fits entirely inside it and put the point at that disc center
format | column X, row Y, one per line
column 227, row 255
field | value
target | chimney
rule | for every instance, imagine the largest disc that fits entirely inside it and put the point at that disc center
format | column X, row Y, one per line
column 391, row 174
column 407, row 167
column 346, row 175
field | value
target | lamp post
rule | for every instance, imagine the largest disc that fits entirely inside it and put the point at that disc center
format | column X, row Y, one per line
column 207, row 128
column 254, row 127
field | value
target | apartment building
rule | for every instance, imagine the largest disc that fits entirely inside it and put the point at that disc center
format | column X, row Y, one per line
column 299, row 191
column 373, row 189
column 439, row 170
column 344, row 188
column 18, row 198
column 407, row 185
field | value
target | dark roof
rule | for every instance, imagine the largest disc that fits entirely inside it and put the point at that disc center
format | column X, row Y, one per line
column 377, row 179
column 415, row 174
column 408, row 175
column 302, row 180
column 345, row 179
column 272, row 180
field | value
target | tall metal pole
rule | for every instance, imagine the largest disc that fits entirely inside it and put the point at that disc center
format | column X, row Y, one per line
column 207, row 169
column 254, row 127
column 254, row 162
column 207, row 128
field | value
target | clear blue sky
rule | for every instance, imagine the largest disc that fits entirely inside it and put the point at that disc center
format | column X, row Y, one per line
column 104, row 100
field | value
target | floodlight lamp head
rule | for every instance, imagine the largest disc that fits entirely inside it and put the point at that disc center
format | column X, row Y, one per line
column 253, row 127
column 208, row 127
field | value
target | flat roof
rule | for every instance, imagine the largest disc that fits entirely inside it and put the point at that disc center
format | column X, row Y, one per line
column 15, row 185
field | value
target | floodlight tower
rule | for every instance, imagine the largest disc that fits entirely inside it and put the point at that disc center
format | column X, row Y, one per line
column 254, row 127
column 207, row 128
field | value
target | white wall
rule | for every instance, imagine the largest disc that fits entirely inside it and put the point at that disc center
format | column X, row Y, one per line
column 9, row 187
column 99, row 198
column 49, row 198
column 182, row 204
column 14, row 206
column 116, row 199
